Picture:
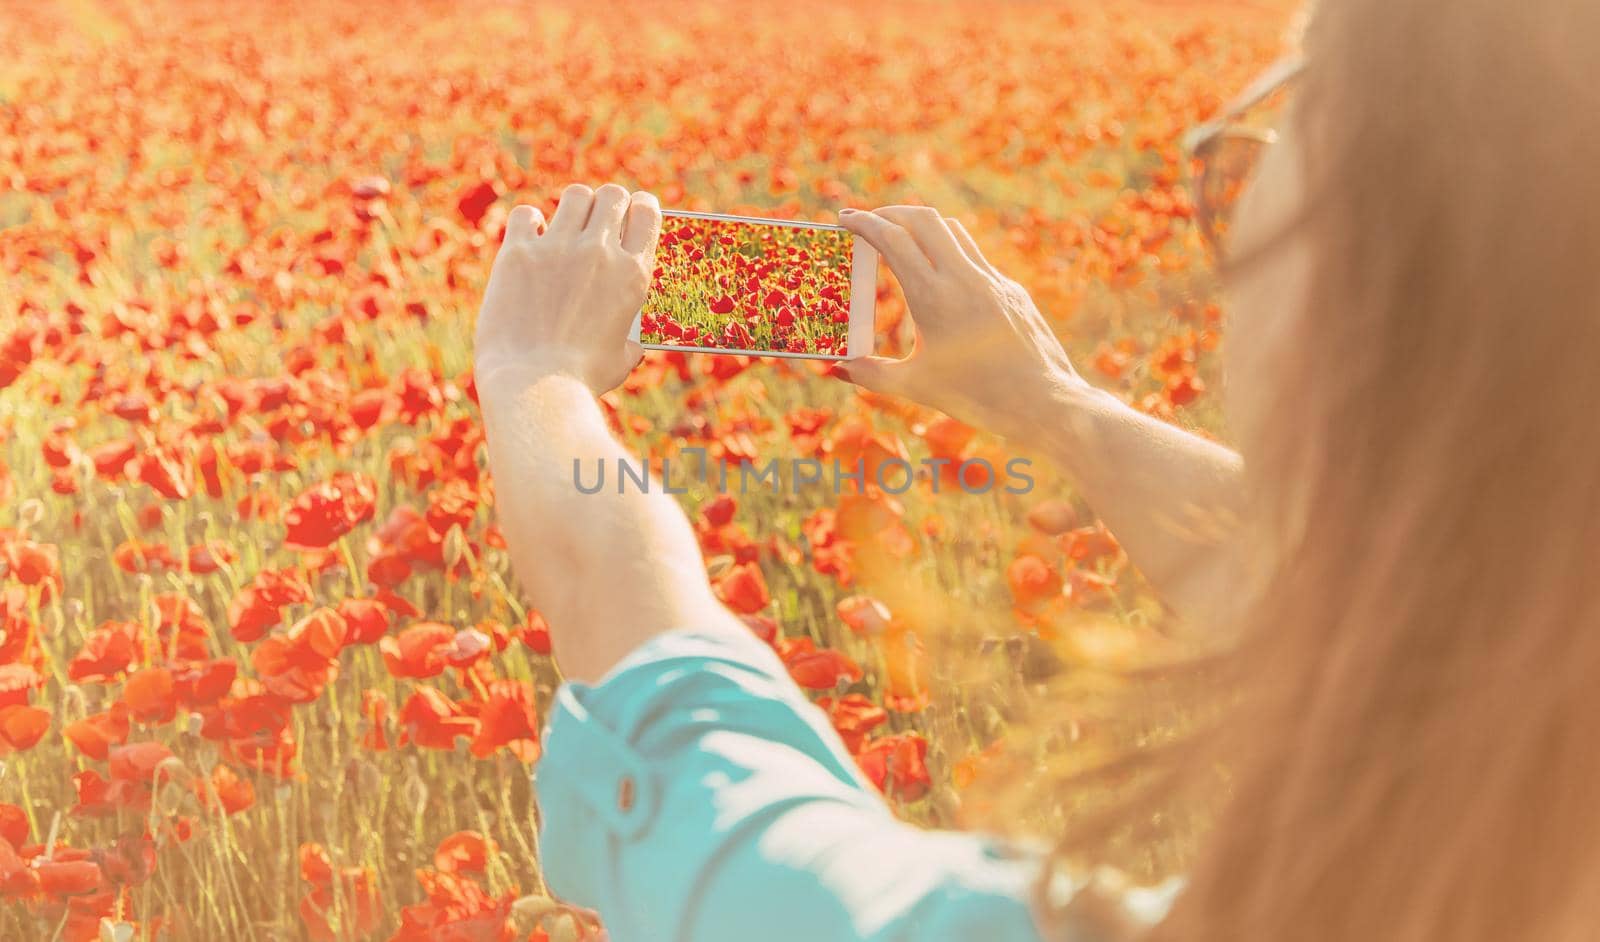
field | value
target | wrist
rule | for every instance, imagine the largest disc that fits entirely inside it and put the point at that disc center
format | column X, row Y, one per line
column 497, row 374
column 1046, row 400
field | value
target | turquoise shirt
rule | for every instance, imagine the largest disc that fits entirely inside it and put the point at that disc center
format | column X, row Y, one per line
column 696, row 795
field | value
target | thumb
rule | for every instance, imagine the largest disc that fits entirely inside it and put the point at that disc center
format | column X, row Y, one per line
column 877, row 374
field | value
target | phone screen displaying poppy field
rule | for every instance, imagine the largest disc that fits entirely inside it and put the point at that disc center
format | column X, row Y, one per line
column 723, row 284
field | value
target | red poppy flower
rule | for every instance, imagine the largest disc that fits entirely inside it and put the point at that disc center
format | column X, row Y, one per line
column 129, row 860
column 854, row 716
column 762, row 627
column 320, row 634
column 164, row 473
column 151, row 695
column 294, row 667
column 69, row 878
column 58, row 448
column 35, row 564
column 396, row 603
column 94, row 795
column 94, row 735
column 181, row 616
column 366, row 619
column 1032, row 580
column 202, row 683
column 507, row 718
column 367, row 407
column 16, row 625
column 250, row 615
column 536, row 634
column 1089, row 544
column 13, row 825
column 315, row 866
column 403, row 541
column 895, row 765
column 324, row 512
column 249, row 713
column 831, row 553
column 207, row 463
column 419, row 651
column 719, row 511
column 17, row 682
column 454, row 504
column 206, row 558
column 744, row 589
column 864, row 615
column 457, row 910
column 21, row 728
column 375, row 707
column 433, row 721
column 110, row 458
column 137, row 762
column 464, row 852
column 136, row 556
column 474, row 201
column 816, row 668
column 233, row 793
column 258, row 605
column 947, row 438
column 107, row 652
column 18, row 880
column 358, row 907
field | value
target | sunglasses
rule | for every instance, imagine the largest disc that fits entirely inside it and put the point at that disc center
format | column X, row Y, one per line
column 1225, row 151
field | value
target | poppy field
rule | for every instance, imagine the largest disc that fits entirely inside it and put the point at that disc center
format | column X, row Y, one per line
column 736, row 286
column 264, row 673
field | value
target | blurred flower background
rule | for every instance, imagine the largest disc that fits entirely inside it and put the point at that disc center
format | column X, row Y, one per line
column 262, row 675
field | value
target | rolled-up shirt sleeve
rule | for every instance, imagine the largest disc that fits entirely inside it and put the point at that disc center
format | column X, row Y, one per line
column 696, row 795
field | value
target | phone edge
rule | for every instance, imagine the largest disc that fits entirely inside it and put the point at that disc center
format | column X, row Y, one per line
column 757, row 220
column 862, row 333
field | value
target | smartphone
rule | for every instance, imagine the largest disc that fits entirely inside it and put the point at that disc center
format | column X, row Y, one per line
column 764, row 287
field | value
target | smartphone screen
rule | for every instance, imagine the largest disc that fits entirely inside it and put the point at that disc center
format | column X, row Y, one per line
column 755, row 286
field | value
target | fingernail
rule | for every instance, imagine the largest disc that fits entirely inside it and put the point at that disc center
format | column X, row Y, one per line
column 839, row 372
column 847, row 212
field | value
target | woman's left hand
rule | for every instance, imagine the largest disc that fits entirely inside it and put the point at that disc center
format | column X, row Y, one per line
column 984, row 353
column 562, row 296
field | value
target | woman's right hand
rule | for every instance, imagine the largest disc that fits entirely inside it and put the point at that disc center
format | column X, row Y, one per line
column 983, row 352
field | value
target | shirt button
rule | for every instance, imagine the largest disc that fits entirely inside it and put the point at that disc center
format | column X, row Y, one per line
column 625, row 794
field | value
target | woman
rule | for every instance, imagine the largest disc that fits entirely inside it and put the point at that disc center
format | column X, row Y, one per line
column 1399, row 562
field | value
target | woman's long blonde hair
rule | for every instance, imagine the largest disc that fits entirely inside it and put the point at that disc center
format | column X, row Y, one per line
column 1414, row 753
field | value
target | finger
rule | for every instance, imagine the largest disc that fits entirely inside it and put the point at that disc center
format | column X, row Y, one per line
column 928, row 228
column 572, row 213
column 969, row 245
column 628, row 358
column 641, row 227
column 895, row 244
column 885, row 375
column 605, row 218
column 524, row 223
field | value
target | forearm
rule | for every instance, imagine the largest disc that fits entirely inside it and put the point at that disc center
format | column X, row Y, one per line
column 608, row 569
column 986, row 354
column 1172, row 498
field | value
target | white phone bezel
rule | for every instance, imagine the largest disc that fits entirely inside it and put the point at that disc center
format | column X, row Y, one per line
column 863, row 294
